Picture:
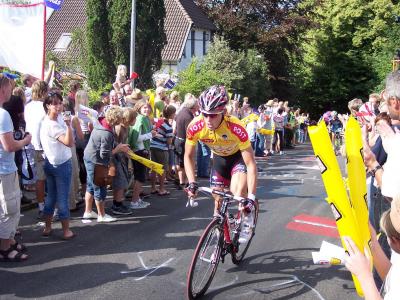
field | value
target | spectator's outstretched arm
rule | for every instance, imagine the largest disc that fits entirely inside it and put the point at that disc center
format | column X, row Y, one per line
column 50, row 71
column 371, row 163
column 360, row 265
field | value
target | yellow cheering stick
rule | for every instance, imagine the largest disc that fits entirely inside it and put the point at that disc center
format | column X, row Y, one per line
column 265, row 131
column 249, row 118
column 357, row 181
column 156, row 167
column 335, row 188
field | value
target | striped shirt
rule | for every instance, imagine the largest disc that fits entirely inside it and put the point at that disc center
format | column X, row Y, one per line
column 164, row 132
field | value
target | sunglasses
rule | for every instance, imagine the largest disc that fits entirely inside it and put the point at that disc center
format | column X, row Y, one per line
column 209, row 115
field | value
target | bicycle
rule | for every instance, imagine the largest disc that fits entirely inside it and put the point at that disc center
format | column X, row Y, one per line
column 220, row 238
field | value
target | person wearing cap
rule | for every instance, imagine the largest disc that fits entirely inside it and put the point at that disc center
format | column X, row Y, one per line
column 389, row 270
column 10, row 193
column 135, row 96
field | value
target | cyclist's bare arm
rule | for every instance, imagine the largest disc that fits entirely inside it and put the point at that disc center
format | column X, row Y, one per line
column 190, row 154
column 250, row 162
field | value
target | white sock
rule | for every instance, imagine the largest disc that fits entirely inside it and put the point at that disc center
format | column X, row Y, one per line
column 41, row 206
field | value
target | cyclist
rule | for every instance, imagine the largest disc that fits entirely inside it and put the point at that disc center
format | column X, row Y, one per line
column 234, row 165
column 335, row 126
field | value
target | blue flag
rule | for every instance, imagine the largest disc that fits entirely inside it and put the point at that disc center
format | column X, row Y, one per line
column 54, row 4
column 169, row 84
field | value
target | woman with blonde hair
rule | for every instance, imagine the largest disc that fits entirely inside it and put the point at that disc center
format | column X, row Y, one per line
column 99, row 150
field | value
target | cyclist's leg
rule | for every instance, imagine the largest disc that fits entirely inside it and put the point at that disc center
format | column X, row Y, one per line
column 219, row 179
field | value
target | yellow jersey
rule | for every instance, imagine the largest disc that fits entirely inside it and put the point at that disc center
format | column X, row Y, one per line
column 229, row 138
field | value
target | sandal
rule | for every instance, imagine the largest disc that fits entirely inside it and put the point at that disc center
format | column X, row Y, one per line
column 17, row 258
column 70, row 237
column 46, row 233
column 19, row 247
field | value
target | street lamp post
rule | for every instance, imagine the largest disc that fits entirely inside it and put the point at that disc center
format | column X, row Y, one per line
column 133, row 40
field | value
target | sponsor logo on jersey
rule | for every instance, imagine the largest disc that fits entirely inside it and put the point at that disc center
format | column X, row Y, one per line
column 239, row 131
column 194, row 128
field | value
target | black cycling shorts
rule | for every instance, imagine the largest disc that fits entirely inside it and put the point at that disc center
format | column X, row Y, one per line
column 224, row 167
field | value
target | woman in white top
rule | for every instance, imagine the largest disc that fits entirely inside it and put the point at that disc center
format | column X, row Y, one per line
column 56, row 140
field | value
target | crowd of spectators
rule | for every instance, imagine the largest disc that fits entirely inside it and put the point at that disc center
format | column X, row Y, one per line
column 61, row 142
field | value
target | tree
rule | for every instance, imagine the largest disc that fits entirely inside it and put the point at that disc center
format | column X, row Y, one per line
column 244, row 73
column 99, row 67
column 347, row 55
column 150, row 36
column 272, row 27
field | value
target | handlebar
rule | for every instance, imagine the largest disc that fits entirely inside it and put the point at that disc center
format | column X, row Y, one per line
column 211, row 191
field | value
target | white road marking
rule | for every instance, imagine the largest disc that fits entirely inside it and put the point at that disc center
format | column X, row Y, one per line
column 145, row 268
column 197, row 218
column 155, row 269
column 295, row 279
column 308, row 168
column 315, row 224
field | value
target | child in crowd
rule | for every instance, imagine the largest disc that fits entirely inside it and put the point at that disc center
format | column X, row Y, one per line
column 159, row 147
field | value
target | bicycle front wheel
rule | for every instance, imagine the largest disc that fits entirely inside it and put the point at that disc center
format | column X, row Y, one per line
column 205, row 260
column 239, row 249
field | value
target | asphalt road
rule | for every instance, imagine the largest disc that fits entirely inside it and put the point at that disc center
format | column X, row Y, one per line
column 146, row 256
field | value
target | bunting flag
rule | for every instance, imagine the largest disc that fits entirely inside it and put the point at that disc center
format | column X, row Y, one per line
column 22, row 31
column 54, row 4
column 170, row 84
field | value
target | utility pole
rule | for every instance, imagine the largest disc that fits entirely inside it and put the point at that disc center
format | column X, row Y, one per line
column 133, row 41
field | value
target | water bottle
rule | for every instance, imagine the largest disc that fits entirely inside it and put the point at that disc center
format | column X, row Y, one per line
column 231, row 221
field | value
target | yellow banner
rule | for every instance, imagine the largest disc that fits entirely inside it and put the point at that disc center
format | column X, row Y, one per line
column 249, row 118
column 265, row 131
column 338, row 199
column 357, row 181
column 156, row 167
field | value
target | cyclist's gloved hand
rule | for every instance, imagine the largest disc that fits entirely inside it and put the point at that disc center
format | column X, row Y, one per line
column 191, row 188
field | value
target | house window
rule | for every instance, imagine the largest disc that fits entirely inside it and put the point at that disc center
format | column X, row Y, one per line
column 193, row 41
column 63, row 42
column 206, row 37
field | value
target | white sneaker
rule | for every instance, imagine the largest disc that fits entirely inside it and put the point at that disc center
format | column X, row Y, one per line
column 280, row 152
column 90, row 215
column 105, row 219
column 144, row 202
column 138, row 204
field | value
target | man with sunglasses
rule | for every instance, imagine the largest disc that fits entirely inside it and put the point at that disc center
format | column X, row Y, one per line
column 234, row 165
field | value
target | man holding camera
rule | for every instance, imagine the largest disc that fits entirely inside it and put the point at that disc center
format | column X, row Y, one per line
column 10, row 193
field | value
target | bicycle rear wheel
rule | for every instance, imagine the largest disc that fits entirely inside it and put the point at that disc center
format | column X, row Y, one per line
column 205, row 260
column 239, row 249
